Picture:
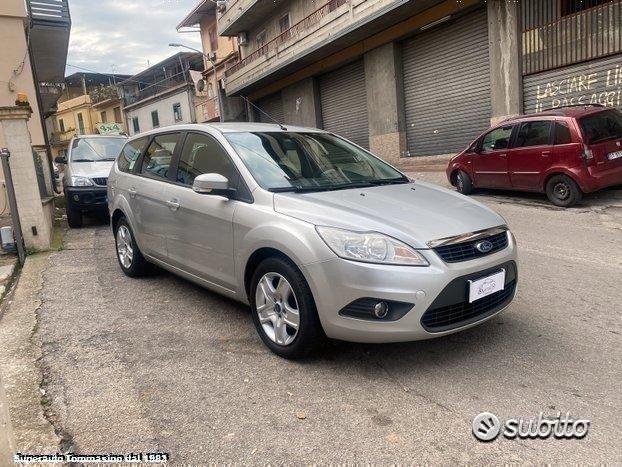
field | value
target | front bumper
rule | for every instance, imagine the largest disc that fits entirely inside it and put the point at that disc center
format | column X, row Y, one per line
column 87, row 198
column 337, row 283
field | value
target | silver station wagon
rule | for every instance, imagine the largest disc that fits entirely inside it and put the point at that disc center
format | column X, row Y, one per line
column 319, row 237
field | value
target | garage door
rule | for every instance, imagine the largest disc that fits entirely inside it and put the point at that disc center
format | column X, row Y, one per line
column 273, row 106
column 595, row 82
column 344, row 103
column 447, row 86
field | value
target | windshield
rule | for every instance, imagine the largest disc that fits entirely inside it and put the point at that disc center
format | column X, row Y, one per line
column 96, row 149
column 287, row 161
column 602, row 126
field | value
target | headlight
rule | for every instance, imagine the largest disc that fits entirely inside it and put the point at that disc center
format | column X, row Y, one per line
column 80, row 181
column 370, row 247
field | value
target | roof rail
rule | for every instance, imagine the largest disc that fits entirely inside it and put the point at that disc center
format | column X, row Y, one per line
column 580, row 105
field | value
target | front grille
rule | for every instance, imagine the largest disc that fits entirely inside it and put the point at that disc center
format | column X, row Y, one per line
column 463, row 313
column 466, row 250
column 100, row 181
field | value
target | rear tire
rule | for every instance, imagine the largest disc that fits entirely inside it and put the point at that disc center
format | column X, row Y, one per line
column 74, row 216
column 563, row 191
column 283, row 292
column 131, row 260
column 463, row 182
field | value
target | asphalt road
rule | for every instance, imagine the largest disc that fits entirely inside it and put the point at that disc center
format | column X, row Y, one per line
column 159, row 364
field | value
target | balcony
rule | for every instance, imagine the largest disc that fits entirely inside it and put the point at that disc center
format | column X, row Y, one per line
column 334, row 26
column 243, row 15
column 49, row 41
column 156, row 89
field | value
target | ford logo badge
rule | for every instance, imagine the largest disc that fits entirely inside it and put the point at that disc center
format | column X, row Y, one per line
column 484, row 246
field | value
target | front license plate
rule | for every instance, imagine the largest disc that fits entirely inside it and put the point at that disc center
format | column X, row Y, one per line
column 486, row 285
column 614, row 155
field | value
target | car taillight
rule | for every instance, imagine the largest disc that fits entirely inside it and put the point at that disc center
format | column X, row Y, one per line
column 588, row 155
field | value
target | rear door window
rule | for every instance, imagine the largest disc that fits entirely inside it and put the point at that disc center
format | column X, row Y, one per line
column 602, row 126
column 159, row 155
column 536, row 133
column 130, row 153
column 562, row 133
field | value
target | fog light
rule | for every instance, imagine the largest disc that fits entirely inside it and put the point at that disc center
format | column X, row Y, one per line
column 76, row 198
column 381, row 309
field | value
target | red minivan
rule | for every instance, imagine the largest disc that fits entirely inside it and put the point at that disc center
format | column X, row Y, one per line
column 564, row 153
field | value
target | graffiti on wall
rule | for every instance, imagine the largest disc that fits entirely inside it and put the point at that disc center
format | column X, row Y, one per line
column 593, row 87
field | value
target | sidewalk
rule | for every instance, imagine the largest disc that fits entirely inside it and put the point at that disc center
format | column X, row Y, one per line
column 20, row 351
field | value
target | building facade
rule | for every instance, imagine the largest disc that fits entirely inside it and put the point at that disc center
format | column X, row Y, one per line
column 35, row 35
column 164, row 94
column 411, row 78
column 223, row 52
column 87, row 101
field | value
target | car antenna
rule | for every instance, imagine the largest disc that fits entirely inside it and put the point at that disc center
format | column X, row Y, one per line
column 283, row 127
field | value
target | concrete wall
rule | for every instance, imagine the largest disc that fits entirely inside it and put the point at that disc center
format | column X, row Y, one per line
column 15, row 77
column 385, row 102
column 301, row 103
column 505, row 73
column 164, row 106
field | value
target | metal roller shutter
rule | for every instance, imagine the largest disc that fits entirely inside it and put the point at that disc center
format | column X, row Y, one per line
column 447, row 86
column 595, row 82
column 344, row 103
column 273, row 106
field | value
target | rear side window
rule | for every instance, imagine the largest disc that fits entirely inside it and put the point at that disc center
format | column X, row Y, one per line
column 157, row 160
column 536, row 133
column 562, row 133
column 130, row 153
column 602, row 126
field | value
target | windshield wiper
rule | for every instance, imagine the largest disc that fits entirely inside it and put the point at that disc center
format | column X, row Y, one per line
column 389, row 181
column 82, row 160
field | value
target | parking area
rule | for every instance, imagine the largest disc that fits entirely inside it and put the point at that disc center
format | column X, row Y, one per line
column 159, row 364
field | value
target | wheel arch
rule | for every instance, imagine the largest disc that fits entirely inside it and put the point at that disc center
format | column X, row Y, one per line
column 255, row 260
column 554, row 172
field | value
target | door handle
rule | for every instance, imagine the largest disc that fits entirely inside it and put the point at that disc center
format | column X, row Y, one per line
column 503, row 155
column 132, row 191
column 546, row 153
column 173, row 204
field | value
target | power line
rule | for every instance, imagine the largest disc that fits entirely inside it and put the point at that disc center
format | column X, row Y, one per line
column 111, row 76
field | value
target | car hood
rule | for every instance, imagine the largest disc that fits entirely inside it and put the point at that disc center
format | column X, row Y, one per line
column 414, row 213
column 91, row 169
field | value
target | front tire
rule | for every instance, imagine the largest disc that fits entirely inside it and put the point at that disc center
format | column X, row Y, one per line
column 131, row 260
column 463, row 182
column 563, row 191
column 283, row 309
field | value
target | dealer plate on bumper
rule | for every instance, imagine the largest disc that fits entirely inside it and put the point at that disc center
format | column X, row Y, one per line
column 614, row 155
column 485, row 286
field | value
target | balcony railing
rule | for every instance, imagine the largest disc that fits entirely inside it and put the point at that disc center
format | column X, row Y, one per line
column 295, row 31
column 49, row 11
column 157, row 88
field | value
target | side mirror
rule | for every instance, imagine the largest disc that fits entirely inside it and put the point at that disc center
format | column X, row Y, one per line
column 60, row 159
column 212, row 184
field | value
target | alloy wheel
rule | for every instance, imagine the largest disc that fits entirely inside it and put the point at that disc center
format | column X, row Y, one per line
column 124, row 246
column 277, row 308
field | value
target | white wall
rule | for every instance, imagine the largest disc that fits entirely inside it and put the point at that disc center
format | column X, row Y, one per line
column 164, row 106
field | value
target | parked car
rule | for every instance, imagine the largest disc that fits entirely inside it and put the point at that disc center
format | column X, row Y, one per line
column 317, row 235
column 563, row 153
column 88, row 162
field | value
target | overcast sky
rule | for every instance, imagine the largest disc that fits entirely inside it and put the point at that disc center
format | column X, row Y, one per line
column 125, row 34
